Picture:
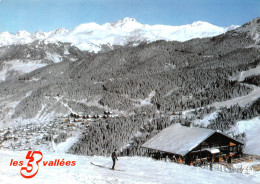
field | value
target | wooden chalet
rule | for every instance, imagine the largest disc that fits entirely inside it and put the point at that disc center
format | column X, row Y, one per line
column 193, row 144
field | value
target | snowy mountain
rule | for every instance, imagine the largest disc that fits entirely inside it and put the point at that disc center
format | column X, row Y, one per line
column 92, row 37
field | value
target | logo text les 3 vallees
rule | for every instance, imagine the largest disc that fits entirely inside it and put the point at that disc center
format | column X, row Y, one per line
column 35, row 161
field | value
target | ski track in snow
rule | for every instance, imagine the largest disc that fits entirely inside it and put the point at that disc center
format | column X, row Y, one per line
column 134, row 170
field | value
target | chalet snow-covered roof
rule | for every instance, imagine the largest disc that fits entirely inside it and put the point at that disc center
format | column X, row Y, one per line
column 178, row 139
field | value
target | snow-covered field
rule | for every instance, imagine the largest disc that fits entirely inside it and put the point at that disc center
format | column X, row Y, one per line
column 132, row 170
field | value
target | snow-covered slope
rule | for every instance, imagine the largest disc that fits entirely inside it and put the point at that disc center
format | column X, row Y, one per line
column 16, row 60
column 92, row 36
column 133, row 170
column 252, row 130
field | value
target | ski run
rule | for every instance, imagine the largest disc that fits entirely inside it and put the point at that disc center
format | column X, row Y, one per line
column 135, row 170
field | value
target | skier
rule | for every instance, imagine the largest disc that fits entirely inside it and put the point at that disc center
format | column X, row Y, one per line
column 114, row 158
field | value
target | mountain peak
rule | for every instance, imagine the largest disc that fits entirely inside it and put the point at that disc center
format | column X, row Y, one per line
column 124, row 21
column 60, row 31
column 127, row 19
column 22, row 33
column 200, row 23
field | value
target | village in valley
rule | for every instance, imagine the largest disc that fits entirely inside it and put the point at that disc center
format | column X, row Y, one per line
column 204, row 148
column 45, row 136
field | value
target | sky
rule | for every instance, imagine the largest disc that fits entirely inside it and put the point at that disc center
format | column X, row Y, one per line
column 47, row 15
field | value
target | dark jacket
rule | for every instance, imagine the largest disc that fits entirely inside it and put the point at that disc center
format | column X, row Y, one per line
column 114, row 156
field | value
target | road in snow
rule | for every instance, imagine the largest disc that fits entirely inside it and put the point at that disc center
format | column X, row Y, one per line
column 135, row 170
column 241, row 101
column 254, row 71
column 247, row 73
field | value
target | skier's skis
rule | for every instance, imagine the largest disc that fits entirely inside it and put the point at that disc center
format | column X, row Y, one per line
column 98, row 165
column 102, row 166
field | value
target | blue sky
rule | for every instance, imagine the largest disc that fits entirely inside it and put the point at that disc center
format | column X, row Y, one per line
column 46, row 15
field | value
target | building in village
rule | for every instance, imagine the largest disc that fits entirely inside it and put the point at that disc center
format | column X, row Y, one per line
column 191, row 145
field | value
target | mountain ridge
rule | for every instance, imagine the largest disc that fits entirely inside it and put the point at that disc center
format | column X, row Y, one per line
column 92, row 36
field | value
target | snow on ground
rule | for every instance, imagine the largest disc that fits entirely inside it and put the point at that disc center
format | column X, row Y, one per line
column 56, row 58
column 146, row 101
column 246, row 164
column 25, row 67
column 133, row 170
column 19, row 66
column 252, row 130
column 65, row 146
column 3, row 74
column 241, row 101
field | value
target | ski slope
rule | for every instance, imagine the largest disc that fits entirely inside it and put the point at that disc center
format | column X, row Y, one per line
column 251, row 128
column 134, row 170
